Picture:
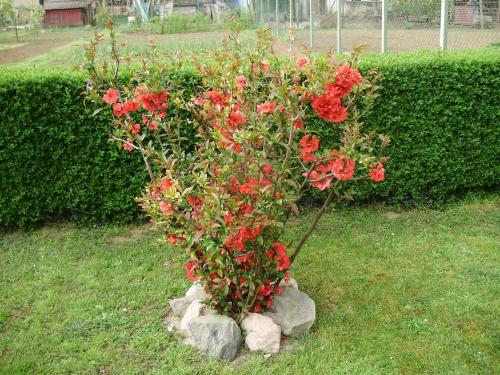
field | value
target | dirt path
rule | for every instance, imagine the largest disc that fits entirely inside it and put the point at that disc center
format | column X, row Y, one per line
column 33, row 48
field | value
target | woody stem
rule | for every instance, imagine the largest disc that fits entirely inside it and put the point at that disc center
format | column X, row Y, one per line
column 313, row 225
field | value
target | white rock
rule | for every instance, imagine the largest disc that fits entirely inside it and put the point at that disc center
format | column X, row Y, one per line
column 193, row 311
column 261, row 333
column 292, row 282
column 196, row 292
column 217, row 336
column 293, row 311
column 179, row 306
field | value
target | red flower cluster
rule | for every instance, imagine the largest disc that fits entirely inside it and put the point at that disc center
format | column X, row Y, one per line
column 266, row 108
column 308, row 145
column 345, row 78
column 339, row 167
column 154, row 102
column 111, row 96
column 377, row 173
column 329, row 108
column 329, row 105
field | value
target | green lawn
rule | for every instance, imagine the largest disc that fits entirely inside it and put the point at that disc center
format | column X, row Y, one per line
column 407, row 292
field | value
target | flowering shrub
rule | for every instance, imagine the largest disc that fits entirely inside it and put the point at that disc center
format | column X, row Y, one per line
column 226, row 199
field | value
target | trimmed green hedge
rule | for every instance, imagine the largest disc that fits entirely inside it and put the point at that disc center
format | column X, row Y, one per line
column 441, row 109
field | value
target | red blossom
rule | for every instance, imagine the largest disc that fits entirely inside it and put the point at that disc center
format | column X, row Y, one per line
column 343, row 168
column 117, row 109
column 217, row 99
column 190, row 268
column 166, row 208
column 302, row 62
column 235, row 119
column 241, row 82
column 266, row 108
column 377, row 174
column 130, row 106
column 135, row 129
column 319, row 180
column 298, row 124
column 329, row 108
column 165, row 184
column 129, row 145
column 111, row 96
column 308, row 145
column 345, row 78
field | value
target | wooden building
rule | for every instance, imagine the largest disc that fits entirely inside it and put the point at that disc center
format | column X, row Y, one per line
column 60, row 13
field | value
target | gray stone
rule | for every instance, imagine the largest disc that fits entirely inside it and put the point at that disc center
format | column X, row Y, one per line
column 179, row 306
column 193, row 311
column 293, row 311
column 196, row 292
column 261, row 333
column 217, row 336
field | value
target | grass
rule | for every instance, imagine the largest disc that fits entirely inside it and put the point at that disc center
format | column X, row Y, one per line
column 407, row 292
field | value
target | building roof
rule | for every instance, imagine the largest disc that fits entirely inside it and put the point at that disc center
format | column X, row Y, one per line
column 65, row 4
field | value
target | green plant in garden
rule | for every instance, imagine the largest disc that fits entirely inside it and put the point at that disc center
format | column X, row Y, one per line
column 226, row 197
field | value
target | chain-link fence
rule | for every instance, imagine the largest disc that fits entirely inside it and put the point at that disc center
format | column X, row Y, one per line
column 383, row 25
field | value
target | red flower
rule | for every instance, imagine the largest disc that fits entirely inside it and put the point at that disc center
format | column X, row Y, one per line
column 235, row 119
column 283, row 260
column 329, row 108
column 166, row 208
column 377, row 174
column 129, row 145
column 155, row 193
column 130, row 106
column 264, row 65
column 298, row 124
column 267, row 169
column 217, row 99
column 135, row 129
column 117, row 109
column 307, row 146
column 172, row 238
column 345, row 78
column 153, row 102
column 343, row 168
column 249, row 187
column 111, row 96
column 190, row 268
column 303, row 61
column 165, row 184
column 308, row 143
column 228, row 219
column 153, row 125
column 241, row 82
column 319, row 180
column 266, row 108
column 256, row 308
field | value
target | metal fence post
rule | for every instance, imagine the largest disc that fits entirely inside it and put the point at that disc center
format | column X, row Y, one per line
column 276, row 20
column 385, row 5
column 340, row 15
column 310, row 24
column 443, row 32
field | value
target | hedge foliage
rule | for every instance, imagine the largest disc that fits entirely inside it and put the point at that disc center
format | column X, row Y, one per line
column 441, row 109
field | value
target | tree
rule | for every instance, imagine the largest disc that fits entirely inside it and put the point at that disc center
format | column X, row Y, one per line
column 37, row 13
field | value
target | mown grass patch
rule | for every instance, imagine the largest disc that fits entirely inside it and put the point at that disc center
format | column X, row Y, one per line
column 396, row 292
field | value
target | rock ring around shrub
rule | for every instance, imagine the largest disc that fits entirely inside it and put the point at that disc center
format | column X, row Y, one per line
column 220, row 337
